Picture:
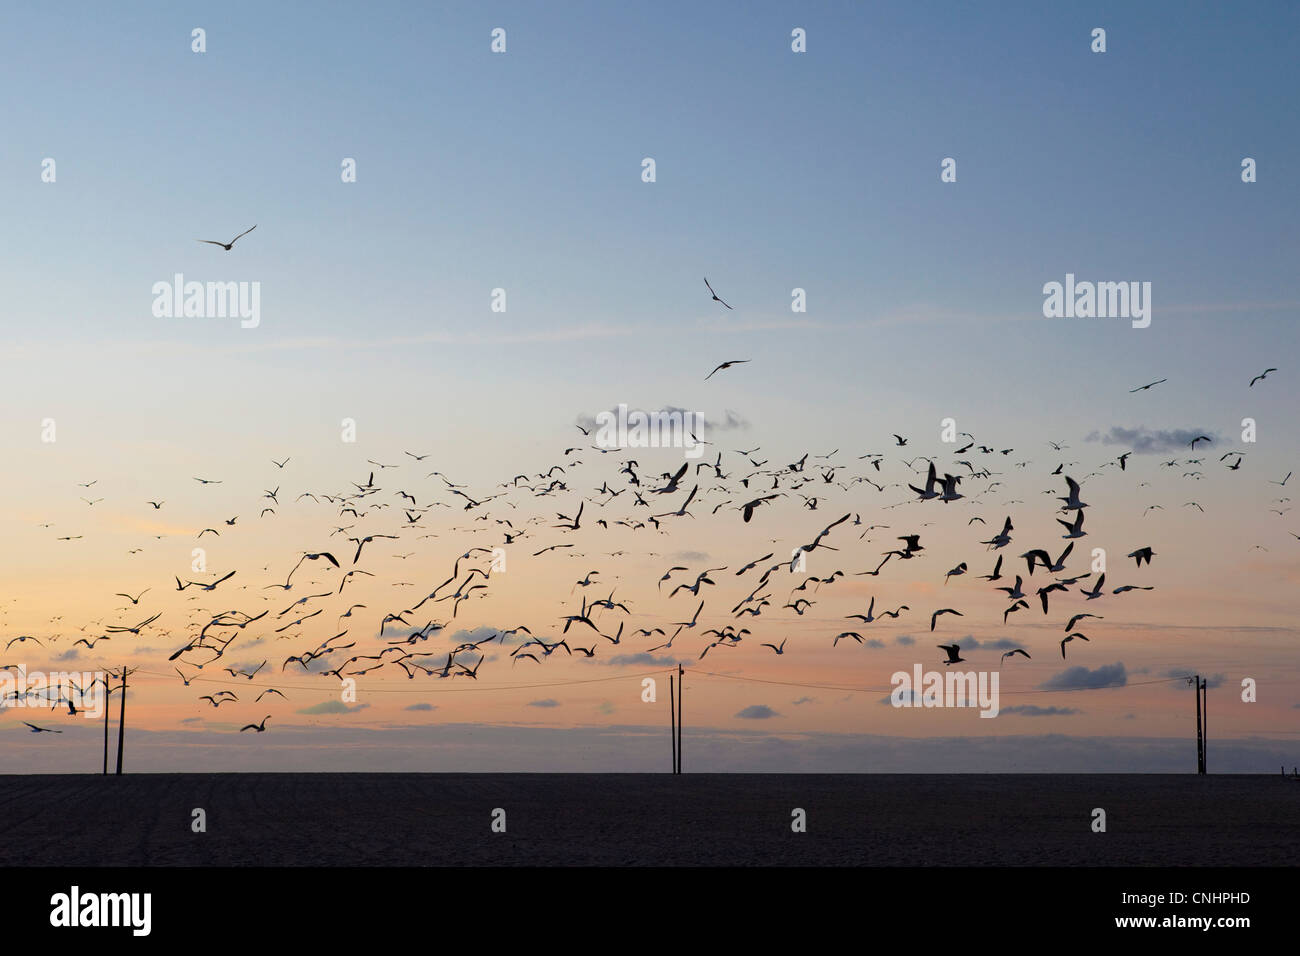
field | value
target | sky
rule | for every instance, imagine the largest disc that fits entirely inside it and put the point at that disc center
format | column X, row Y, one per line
column 775, row 170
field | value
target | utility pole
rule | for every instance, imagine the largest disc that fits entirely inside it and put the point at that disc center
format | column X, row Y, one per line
column 1205, row 732
column 1195, row 680
column 121, row 721
column 107, row 694
column 681, row 693
column 672, row 720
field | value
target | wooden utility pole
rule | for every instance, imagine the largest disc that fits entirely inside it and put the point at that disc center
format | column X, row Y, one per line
column 107, row 694
column 681, row 693
column 1200, row 746
column 1205, row 726
column 672, row 720
column 121, row 721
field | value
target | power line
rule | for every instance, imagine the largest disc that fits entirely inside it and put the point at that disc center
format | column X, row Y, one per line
column 413, row 690
column 887, row 690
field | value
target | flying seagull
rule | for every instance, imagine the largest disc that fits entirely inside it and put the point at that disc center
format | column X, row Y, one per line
column 953, row 652
column 42, row 730
column 935, row 615
column 1260, row 376
column 714, row 294
column 1140, row 554
column 726, row 365
column 227, row 245
column 1067, row 639
column 1143, row 388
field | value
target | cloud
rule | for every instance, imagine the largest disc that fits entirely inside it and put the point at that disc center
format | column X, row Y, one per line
column 1029, row 710
column 643, row 659
column 904, row 640
column 690, row 556
column 757, row 712
column 1080, row 678
column 809, row 700
column 421, row 706
column 1147, row 441
column 970, row 643
column 464, row 636
column 875, row 642
column 547, row 702
column 332, row 707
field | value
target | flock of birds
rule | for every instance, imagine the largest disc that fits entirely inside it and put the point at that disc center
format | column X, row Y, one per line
column 303, row 596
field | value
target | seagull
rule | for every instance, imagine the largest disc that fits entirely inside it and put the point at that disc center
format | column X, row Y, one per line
column 928, row 492
column 946, row 610
column 1096, row 591
column 1077, row 618
column 1143, row 388
column 1141, row 553
column 1043, row 558
column 1015, row 607
column 779, row 650
column 257, row 727
column 952, row 650
column 714, row 294
column 1044, row 592
column 1018, row 650
column 1072, row 503
column 42, row 730
column 726, row 365
column 1015, row 593
column 747, row 509
column 1073, row 529
column 1067, row 639
column 1001, row 540
column 1260, row 376
column 227, row 245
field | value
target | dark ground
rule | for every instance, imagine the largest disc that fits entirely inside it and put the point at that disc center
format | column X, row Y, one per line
column 366, row 819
